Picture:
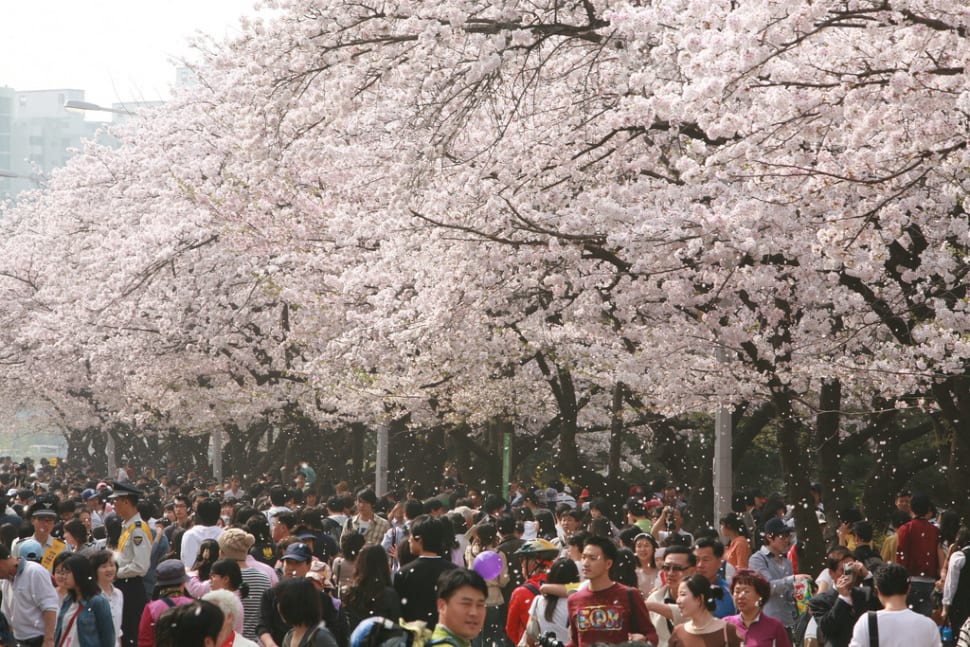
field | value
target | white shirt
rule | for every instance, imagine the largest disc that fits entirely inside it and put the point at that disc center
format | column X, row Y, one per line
column 904, row 628
column 116, row 600
column 272, row 512
column 26, row 598
column 659, row 621
column 560, row 617
column 193, row 538
column 957, row 560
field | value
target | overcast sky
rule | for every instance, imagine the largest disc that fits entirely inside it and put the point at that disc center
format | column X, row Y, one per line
column 114, row 50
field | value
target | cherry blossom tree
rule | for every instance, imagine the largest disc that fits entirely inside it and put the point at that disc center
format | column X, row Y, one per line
column 556, row 213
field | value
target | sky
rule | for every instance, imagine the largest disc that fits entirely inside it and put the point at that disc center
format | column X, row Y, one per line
column 115, row 50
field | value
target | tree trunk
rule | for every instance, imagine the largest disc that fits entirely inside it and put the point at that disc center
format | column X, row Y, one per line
column 829, row 455
column 616, row 431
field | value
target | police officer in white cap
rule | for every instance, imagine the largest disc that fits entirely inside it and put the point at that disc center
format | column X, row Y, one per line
column 43, row 516
column 134, row 559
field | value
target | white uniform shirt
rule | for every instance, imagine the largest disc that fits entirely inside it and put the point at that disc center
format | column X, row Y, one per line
column 26, row 598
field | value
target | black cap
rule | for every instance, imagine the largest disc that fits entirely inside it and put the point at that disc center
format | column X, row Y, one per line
column 119, row 489
column 44, row 507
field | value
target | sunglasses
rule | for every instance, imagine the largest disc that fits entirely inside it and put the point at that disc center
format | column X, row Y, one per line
column 667, row 568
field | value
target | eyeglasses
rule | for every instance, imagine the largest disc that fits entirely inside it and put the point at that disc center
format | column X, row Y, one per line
column 674, row 568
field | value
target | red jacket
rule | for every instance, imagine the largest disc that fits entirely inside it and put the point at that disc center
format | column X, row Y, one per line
column 918, row 548
column 519, row 605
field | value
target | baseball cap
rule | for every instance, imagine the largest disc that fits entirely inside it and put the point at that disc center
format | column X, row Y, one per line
column 776, row 526
column 298, row 552
column 30, row 549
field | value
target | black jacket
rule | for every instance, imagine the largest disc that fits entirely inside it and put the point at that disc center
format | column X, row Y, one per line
column 836, row 618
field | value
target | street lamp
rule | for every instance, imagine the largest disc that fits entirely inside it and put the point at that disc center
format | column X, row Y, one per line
column 37, row 180
column 85, row 105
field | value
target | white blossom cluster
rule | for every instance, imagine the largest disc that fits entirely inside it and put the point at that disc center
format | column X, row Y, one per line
column 471, row 209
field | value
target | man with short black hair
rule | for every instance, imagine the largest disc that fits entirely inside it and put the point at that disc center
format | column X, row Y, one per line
column 277, row 499
column 461, row 608
column 678, row 564
column 415, row 581
column 270, row 628
column 43, row 516
column 434, row 507
column 333, row 523
column 366, row 521
column 234, row 491
column 29, row 600
column 206, row 527
column 636, row 514
column 92, row 500
column 919, row 551
column 896, row 625
column 395, row 542
column 708, row 553
column 864, row 552
column 837, row 609
column 606, row 612
column 772, row 562
column 134, row 559
column 493, row 507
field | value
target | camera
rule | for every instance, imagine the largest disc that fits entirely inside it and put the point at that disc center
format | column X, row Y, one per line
column 847, row 569
column 671, row 519
column 549, row 639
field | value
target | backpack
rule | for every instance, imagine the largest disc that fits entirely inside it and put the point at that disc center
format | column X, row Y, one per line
column 382, row 632
column 332, row 528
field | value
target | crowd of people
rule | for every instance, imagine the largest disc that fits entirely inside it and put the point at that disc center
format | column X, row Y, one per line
column 140, row 561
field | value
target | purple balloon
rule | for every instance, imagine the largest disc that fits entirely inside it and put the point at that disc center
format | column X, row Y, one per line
column 488, row 564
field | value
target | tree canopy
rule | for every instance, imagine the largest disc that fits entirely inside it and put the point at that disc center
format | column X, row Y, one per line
column 559, row 214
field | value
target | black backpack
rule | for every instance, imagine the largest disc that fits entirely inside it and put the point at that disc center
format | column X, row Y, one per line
column 332, row 528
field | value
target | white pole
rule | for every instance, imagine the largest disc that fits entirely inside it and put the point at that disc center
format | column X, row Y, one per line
column 380, row 471
column 217, row 455
column 112, row 466
column 723, row 474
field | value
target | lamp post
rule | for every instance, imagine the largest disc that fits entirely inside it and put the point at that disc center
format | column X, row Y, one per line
column 86, row 105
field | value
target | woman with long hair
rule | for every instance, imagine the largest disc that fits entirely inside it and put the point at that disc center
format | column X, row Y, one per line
column 549, row 611
column 76, row 535
column 697, row 600
column 301, row 607
column 370, row 592
column 624, row 568
column 737, row 547
column 84, row 619
column 105, row 567
column 648, row 574
column 343, row 565
column 546, row 524
column 204, row 559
